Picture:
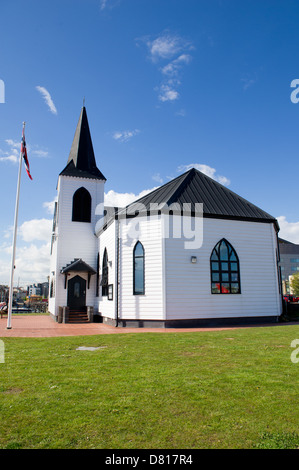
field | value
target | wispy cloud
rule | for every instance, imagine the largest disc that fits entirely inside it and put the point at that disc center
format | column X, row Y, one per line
column 47, row 97
column 170, row 52
column 12, row 155
column 207, row 170
column 14, row 147
column 248, row 82
column 124, row 136
column 104, row 4
column 157, row 177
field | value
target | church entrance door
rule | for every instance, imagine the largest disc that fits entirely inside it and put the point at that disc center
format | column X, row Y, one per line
column 76, row 294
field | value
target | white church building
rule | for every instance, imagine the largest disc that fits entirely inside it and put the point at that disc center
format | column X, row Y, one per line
column 190, row 253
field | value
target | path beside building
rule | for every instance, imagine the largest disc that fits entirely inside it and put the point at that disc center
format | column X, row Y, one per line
column 42, row 326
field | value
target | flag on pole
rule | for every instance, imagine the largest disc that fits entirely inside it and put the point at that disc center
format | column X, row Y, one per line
column 24, row 154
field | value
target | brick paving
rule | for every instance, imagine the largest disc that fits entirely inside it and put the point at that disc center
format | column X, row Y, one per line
column 43, row 326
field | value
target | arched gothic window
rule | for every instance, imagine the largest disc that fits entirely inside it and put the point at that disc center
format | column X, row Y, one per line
column 105, row 273
column 138, row 269
column 81, row 206
column 225, row 269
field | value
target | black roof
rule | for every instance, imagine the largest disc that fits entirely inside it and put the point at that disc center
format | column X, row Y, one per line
column 81, row 162
column 288, row 248
column 78, row 265
column 195, row 187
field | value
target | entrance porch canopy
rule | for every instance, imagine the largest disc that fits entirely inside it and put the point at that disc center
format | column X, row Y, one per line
column 78, row 265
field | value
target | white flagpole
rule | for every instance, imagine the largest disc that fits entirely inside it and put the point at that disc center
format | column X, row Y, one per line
column 14, row 244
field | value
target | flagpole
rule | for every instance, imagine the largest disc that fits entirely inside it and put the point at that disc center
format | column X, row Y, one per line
column 14, row 244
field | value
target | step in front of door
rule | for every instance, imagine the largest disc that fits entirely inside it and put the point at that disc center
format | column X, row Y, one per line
column 78, row 317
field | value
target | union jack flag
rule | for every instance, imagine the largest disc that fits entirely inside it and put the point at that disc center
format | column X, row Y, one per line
column 24, row 155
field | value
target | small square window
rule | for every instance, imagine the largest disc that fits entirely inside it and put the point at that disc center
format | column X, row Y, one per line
column 225, row 289
column 224, row 266
column 215, row 266
column 235, row 288
column 215, row 277
column 215, row 288
column 225, row 277
column 234, row 266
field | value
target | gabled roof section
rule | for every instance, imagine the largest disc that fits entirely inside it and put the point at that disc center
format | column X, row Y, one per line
column 81, row 162
column 78, row 265
column 195, row 187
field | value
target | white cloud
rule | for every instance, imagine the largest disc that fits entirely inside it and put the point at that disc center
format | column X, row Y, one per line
column 288, row 230
column 167, row 46
column 248, row 82
column 36, row 229
column 168, row 94
column 13, row 154
column 40, row 153
column 33, row 263
column 49, row 206
column 124, row 136
column 103, row 4
column 175, row 49
column 47, row 97
column 10, row 158
column 173, row 68
column 157, row 177
column 207, row 170
column 114, row 199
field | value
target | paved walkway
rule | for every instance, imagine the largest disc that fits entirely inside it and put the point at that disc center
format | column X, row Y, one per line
column 42, row 326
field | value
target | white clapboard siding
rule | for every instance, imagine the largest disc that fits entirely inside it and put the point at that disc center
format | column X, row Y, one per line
column 108, row 240
column 150, row 305
column 188, row 286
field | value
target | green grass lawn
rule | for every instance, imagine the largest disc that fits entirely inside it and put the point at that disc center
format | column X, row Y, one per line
column 220, row 389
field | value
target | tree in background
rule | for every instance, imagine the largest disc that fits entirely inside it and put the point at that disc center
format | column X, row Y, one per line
column 294, row 284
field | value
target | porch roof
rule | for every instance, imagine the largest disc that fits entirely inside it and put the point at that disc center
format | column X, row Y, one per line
column 78, row 265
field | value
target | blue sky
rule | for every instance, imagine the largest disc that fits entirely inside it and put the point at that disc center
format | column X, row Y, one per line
column 168, row 84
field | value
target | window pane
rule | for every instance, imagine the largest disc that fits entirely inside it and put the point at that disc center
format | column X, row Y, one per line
column 138, row 249
column 77, row 290
column 234, row 266
column 235, row 288
column 223, row 251
column 234, row 277
column 215, row 288
column 215, row 277
column 138, row 276
column 225, row 277
column 233, row 256
column 215, row 266
column 224, row 266
column 214, row 256
column 225, row 288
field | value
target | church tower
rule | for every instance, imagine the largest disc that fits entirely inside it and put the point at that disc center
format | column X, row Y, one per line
column 74, row 247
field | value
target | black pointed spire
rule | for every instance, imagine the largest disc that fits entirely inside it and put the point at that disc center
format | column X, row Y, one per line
column 81, row 161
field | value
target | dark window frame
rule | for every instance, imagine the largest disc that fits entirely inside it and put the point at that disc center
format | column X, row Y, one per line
column 225, row 287
column 105, row 274
column 81, row 211
column 142, row 292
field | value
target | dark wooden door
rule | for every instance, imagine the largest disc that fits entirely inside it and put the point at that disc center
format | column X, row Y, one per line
column 76, row 294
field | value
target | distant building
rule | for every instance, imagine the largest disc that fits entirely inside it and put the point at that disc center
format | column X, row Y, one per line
column 41, row 289
column 289, row 262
